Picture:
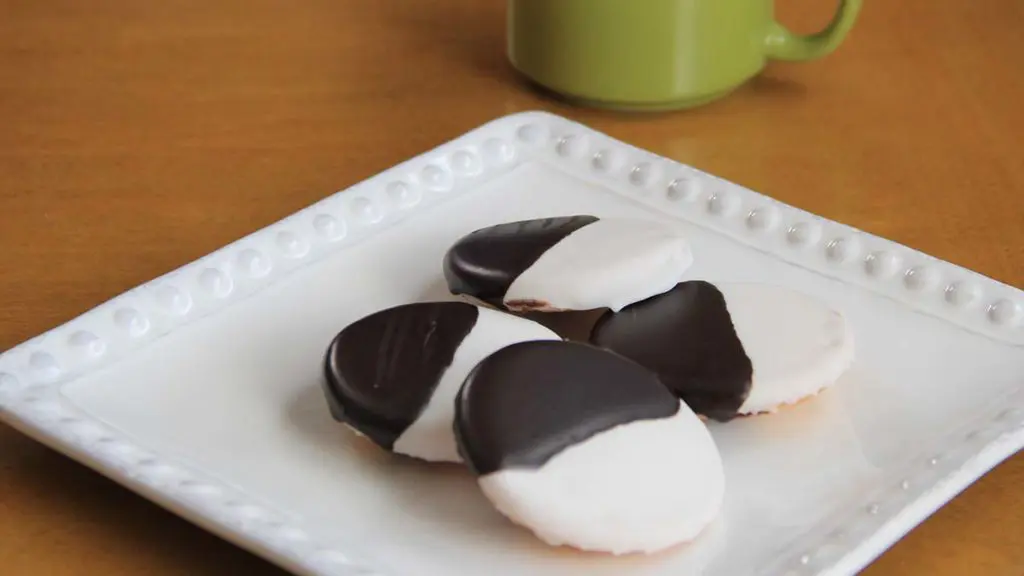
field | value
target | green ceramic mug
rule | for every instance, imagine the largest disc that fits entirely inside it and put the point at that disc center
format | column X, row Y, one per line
column 656, row 54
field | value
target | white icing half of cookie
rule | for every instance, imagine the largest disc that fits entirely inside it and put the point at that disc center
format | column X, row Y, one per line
column 797, row 344
column 638, row 487
column 431, row 437
column 610, row 263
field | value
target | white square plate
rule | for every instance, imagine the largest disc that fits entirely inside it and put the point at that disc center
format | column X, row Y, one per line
column 199, row 390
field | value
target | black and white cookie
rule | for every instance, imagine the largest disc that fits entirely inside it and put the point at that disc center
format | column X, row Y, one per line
column 568, row 263
column 587, row 449
column 730, row 349
column 393, row 375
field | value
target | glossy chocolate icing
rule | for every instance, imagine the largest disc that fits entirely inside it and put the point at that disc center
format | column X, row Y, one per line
column 380, row 371
column 687, row 337
column 484, row 263
column 529, row 401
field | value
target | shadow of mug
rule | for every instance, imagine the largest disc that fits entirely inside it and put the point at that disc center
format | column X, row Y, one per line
column 656, row 55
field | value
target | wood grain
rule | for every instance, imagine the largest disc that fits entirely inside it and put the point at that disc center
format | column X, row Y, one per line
column 138, row 136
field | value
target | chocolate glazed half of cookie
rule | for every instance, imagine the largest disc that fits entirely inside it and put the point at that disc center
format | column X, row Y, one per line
column 687, row 337
column 529, row 401
column 381, row 371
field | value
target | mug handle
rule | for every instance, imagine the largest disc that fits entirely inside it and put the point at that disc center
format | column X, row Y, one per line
column 781, row 44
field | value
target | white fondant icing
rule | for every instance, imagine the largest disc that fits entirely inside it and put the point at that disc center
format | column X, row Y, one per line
column 639, row 487
column 796, row 343
column 610, row 263
column 431, row 437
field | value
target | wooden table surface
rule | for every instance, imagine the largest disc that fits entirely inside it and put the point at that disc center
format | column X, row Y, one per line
column 138, row 136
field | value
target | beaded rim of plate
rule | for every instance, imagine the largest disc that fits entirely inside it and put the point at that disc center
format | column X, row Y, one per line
column 32, row 373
